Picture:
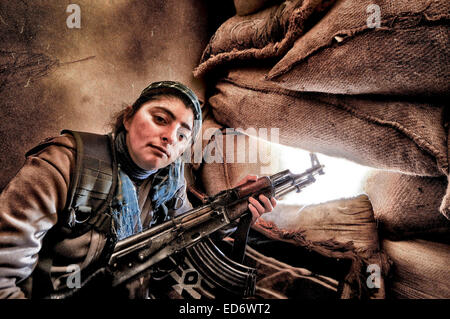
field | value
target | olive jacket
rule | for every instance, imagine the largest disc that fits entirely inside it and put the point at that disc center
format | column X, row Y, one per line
column 29, row 208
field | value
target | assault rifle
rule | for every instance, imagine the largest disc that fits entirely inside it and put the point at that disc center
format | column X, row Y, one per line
column 190, row 233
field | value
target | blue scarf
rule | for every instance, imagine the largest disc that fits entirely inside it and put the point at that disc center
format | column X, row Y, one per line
column 126, row 212
column 165, row 183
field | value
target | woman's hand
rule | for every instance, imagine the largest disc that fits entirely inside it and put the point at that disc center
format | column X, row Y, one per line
column 257, row 208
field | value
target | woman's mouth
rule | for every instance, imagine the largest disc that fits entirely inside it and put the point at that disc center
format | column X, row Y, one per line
column 160, row 150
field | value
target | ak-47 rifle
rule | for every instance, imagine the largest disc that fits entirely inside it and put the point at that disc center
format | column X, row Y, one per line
column 138, row 254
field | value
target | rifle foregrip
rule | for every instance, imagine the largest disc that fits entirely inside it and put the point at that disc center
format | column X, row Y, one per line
column 261, row 186
column 253, row 187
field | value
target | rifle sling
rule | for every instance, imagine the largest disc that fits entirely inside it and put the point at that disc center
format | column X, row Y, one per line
column 240, row 238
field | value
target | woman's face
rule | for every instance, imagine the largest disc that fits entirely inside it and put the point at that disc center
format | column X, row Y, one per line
column 159, row 132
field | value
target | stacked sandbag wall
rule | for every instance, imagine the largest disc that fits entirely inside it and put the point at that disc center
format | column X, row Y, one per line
column 352, row 79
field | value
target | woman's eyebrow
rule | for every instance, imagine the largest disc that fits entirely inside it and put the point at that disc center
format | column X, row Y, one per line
column 170, row 114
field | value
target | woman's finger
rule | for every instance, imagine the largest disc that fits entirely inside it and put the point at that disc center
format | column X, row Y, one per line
column 267, row 203
column 254, row 211
column 257, row 205
column 273, row 201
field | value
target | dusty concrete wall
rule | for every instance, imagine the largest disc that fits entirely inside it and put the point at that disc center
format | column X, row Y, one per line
column 54, row 77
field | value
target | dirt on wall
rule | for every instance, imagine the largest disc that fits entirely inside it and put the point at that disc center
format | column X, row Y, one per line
column 54, row 77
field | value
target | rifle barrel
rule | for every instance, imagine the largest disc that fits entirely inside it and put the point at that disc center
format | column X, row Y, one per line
column 285, row 182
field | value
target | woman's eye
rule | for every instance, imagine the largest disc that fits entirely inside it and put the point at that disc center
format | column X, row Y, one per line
column 182, row 137
column 160, row 119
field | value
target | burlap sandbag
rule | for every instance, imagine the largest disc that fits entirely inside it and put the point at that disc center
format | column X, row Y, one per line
column 278, row 280
column 265, row 34
column 406, row 54
column 395, row 134
column 420, row 269
column 245, row 7
column 339, row 229
column 228, row 158
column 406, row 205
column 386, row 133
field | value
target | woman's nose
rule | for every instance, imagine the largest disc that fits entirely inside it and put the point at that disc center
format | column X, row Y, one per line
column 169, row 135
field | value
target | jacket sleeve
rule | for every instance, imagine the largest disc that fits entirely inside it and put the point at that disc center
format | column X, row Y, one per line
column 28, row 209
